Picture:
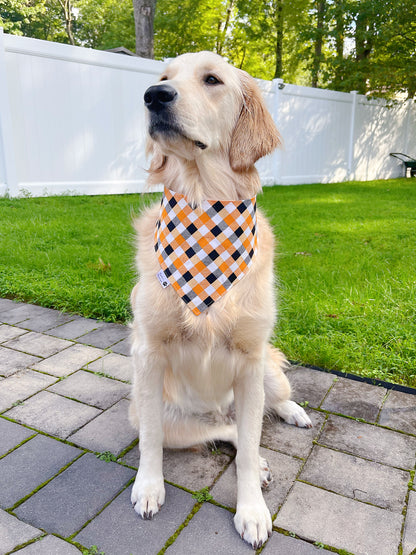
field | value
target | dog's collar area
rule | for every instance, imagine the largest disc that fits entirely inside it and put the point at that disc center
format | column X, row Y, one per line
column 204, row 251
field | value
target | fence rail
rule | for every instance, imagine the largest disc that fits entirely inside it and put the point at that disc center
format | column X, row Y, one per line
column 72, row 121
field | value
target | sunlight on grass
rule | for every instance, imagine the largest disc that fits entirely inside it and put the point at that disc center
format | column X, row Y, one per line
column 346, row 267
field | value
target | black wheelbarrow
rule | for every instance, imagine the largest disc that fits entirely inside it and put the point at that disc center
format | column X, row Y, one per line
column 408, row 161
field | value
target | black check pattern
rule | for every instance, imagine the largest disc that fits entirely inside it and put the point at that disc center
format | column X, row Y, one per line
column 204, row 251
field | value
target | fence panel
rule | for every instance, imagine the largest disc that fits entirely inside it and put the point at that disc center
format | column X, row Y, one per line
column 78, row 119
column 72, row 121
column 380, row 129
column 314, row 124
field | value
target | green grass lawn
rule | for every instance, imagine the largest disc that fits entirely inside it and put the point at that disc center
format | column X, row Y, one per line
column 346, row 266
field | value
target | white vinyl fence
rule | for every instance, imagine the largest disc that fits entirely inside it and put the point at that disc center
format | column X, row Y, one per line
column 72, row 121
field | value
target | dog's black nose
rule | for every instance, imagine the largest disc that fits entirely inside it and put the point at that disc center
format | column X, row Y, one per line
column 158, row 97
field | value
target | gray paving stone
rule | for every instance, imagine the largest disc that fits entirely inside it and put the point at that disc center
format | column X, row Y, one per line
column 357, row 478
column 115, row 365
column 49, row 545
column 122, row 347
column 9, row 332
column 46, row 320
column 68, row 361
column 12, row 434
column 286, row 545
column 133, row 534
column 309, row 385
column 91, row 389
column 105, row 336
column 343, row 523
column 289, row 439
column 77, row 327
column 7, row 304
column 353, row 398
column 110, row 431
column 371, row 442
column 284, row 469
column 13, row 361
column 74, row 496
column 132, row 458
column 211, row 530
column 29, row 466
column 193, row 469
column 53, row 414
column 38, row 344
column 13, row 532
column 22, row 385
column 399, row 412
column 409, row 536
column 19, row 313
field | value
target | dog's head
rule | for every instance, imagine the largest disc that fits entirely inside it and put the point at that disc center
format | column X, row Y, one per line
column 204, row 105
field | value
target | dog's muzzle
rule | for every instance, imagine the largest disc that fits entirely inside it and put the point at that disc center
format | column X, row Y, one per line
column 159, row 99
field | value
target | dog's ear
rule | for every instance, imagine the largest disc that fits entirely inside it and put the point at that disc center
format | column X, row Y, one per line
column 255, row 133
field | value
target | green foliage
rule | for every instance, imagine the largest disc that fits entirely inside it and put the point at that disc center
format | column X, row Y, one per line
column 93, row 550
column 106, row 24
column 107, row 456
column 188, row 26
column 363, row 45
column 202, row 495
column 243, row 31
column 49, row 248
column 369, row 46
column 17, row 15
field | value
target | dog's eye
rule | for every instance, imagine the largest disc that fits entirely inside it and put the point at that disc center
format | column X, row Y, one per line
column 212, row 80
column 164, row 78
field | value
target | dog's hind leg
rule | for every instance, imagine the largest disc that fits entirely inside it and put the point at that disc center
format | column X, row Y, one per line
column 277, row 391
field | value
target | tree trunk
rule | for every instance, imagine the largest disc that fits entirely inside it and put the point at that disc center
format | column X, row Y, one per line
column 321, row 5
column 363, row 48
column 278, row 73
column 222, row 32
column 144, row 13
column 66, row 6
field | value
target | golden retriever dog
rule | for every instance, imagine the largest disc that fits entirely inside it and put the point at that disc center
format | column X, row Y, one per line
column 207, row 375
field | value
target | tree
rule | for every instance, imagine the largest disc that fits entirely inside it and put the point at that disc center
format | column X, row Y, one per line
column 364, row 45
column 16, row 15
column 393, row 60
column 105, row 24
column 318, row 40
column 67, row 10
column 144, row 13
column 269, row 32
column 192, row 25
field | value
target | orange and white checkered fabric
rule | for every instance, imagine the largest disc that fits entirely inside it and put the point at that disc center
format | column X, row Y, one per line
column 204, row 251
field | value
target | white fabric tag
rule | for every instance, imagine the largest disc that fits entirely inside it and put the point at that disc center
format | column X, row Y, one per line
column 164, row 282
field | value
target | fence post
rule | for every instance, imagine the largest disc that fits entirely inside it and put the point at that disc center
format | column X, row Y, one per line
column 409, row 106
column 278, row 86
column 6, row 130
column 351, row 144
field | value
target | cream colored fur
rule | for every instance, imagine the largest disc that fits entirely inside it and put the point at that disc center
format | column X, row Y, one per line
column 192, row 372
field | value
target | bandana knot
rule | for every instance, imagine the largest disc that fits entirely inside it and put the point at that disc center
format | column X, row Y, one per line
column 204, row 251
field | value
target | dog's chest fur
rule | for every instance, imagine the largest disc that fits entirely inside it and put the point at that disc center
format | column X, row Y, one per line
column 204, row 351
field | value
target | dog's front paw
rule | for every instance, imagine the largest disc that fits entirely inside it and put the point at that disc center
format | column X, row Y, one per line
column 292, row 413
column 147, row 496
column 253, row 523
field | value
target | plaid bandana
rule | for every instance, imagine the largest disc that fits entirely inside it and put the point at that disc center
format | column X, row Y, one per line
column 204, row 251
